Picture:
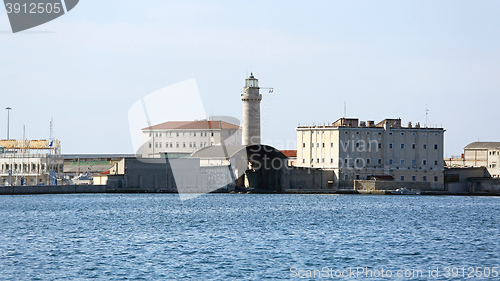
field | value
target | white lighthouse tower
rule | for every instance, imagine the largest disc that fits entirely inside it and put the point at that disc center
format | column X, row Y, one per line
column 251, row 111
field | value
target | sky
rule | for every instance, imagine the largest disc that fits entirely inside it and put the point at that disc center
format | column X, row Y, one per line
column 383, row 59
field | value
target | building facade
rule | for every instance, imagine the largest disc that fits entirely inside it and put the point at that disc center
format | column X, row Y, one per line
column 483, row 154
column 360, row 150
column 182, row 138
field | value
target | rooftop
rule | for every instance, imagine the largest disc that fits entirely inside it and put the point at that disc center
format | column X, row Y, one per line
column 355, row 123
column 483, row 145
column 193, row 125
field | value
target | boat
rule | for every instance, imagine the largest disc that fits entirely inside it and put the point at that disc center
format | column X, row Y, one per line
column 405, row 191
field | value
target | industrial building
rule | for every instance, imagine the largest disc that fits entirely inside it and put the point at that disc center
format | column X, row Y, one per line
column 361, row 150
column 30, row 162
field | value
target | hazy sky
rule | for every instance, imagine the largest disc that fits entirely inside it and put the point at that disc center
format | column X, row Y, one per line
column 385, row 59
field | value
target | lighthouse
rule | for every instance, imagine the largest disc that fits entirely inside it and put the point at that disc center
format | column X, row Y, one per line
column 251, row 111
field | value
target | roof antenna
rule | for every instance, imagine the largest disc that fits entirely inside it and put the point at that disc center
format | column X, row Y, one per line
column 426, row 113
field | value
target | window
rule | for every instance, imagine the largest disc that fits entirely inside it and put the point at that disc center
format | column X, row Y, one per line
column 190, row 144
column 156, row 134
column 317, row 160
column 346, row 177
column 303, row 144
column 413, row 146
column 171, row 144
column 402, row 146
column 390, row 145
column 436, row 134
column 345, row 161
column 402, row 178
column 194, row 144
column 424, row 178
column 435, row 178
column 424, row 162
column 357, row 144
column 390, row 161
column 357, row 177
column 424, row 146
column 149, row 145
column 160, row 144
column 379, row 145
column 435, row 162
column 201, row 144
column 156, row 144
column 413, row 134
column 177, row 144
column 303, row 160
column 177, row 133
column 413, row 178
column 149, row 134
column 390, row 133
column 183, row 144
column 312, row 144
column 331, row 144
column 357, row 161
column 368, row 145
column 346, row 132
column 402, row 134
column 160, row 134
column 414, row 162
column 229, row 133
column 323, row 160
column 194, row 133
column 357, row 133
column 331, row 160
column 367, row 160
column 402, row 161
column 435, row 146
column 379, row 161
column 379, row 133
column 368, row 133
column 317, row 145
column 323, row 144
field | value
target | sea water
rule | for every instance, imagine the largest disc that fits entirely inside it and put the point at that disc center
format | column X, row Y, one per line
column 249, row 237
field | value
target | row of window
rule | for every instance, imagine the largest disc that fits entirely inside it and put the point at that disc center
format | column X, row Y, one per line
column 494, row 152
column 171, row 144
column 25, row 167
column 368, row 161
column 367, row 144
column 184, row 134
column 380, row 133
column 413, row 146
column 402, row 178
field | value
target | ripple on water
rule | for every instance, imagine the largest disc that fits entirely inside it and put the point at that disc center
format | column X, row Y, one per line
column 221, row 236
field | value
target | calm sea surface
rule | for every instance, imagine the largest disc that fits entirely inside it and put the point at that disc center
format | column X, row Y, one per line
column 247, row 237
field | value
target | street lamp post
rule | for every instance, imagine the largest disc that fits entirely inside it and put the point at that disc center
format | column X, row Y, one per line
column 8, row 121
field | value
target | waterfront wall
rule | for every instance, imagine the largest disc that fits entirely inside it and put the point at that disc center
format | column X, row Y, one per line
column 390, row 185
column 490, row 185
column 310, row 178
column 51, row 189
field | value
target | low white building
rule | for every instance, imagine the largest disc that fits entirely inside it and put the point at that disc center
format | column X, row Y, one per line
column 176, row 139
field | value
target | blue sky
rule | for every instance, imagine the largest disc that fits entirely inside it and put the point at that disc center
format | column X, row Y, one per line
column 385, row 59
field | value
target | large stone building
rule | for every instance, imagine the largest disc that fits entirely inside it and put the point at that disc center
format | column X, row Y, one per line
column 182, row 138
column 361, row 150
